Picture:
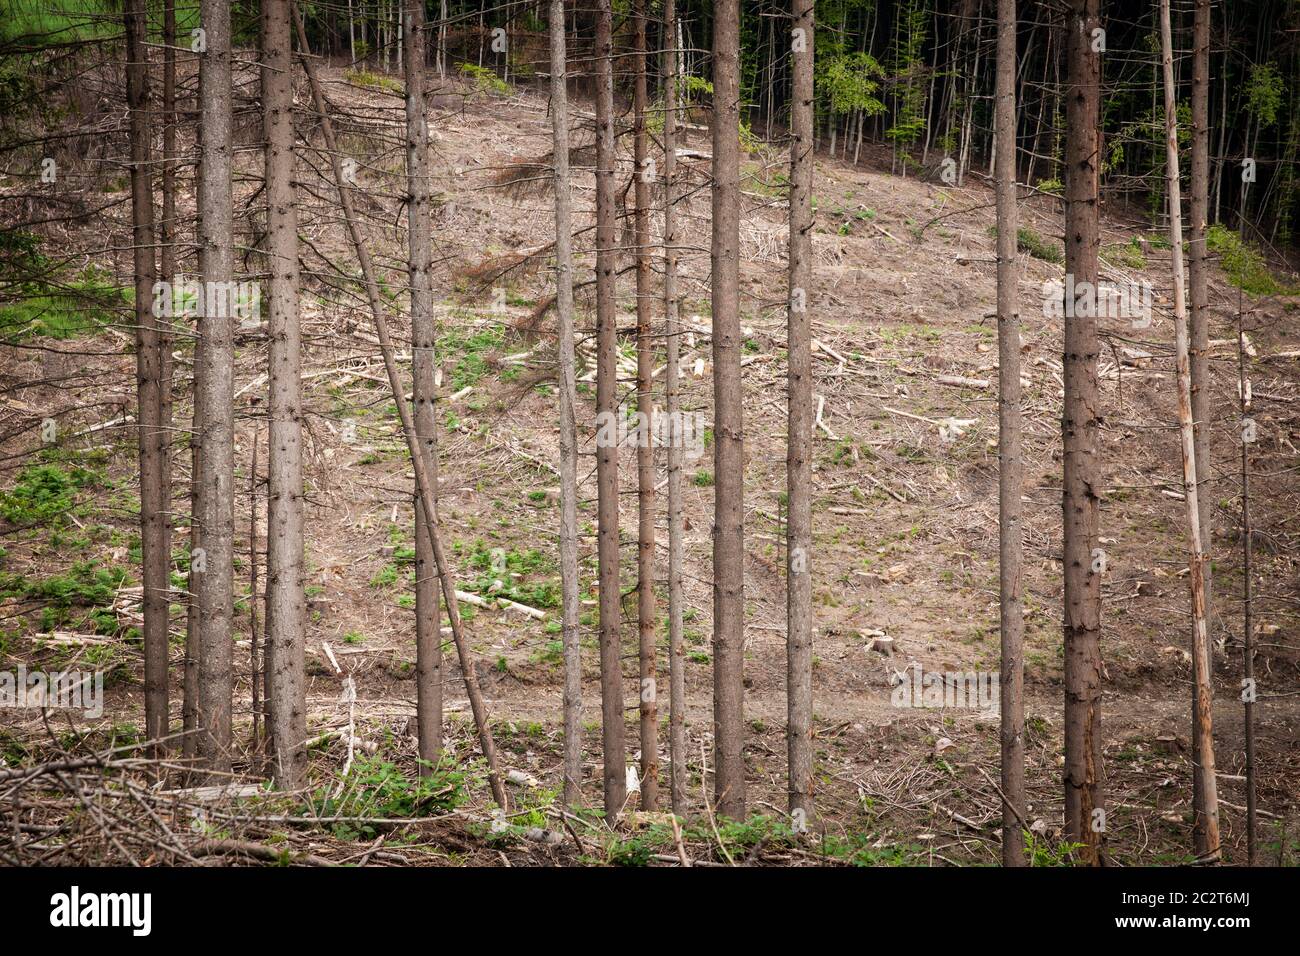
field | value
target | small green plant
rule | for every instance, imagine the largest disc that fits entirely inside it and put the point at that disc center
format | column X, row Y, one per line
column 378, row 789
column 484, row 80
column 1042, row 853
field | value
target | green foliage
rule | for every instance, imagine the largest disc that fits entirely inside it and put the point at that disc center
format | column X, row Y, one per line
column 484, row 80
column 1245, row 267
column 847, row 82
column 374, row 81
column 43, row 493
column 1042, row 853
column 377, row 788
column 1264, row 92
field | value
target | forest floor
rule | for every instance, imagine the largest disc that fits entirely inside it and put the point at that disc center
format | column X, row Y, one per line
column 905, row 508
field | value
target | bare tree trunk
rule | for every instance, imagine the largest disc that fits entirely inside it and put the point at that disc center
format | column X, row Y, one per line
column 1248, row 694
column 154, row 539
column 567, row 387
column 1200, row 336
column 167, row 268
column 607, row 411
column 1011, row 470
column 729, row 452
column 428, row 630
column 423, row 480
column 1084, row 561
column 672, row 400
column 217, row 263
column 799, row 443
column 286, row 600
column 1207, row 815
column 645, row 453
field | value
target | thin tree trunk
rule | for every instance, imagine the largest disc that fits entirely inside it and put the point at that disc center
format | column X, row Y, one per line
column 286, row 600
column 254, row 631
column 1248, row 694
column 154, row 540
column 728, row 445
column 1207, row 816
column 167, row 273
column 1084, row 561
column 423, row 480
column 799, row 444
column 567, row 387
column 428, row 630
column 645, row 453
column 1198, row 268
column 216, row 263
column 672, row 400
column 607, row 411
column 1011, row 470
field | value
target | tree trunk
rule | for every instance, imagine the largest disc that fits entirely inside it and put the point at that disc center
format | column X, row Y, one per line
column 799, row 444
column 1011, row 470
column 286, row 607
column 645, row 452
column 672, row 400
column 1198, row 268
column 423, row 480
column 1084, row 560
column 729, row 455
column 428, row 630
column 154, row 539
column 216, row 263
column 567, row 387
column 1207, row 815
column 607, row 411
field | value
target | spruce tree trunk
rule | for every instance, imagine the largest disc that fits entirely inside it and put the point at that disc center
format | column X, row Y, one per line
column 1011, row 467
column 1207, row 812
column 567, row 387
column 672, row 401
column 645, row 452
column 286, row 600
column 428, row 630
column 1084, row 560
column 729, row 451
column 799, row 443
column 155, row 542
column 216, row 327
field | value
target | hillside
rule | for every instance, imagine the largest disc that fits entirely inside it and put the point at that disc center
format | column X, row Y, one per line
column 905, row 512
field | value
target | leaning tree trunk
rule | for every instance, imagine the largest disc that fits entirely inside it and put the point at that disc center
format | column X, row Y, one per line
column 424, row 482
column 1198, row 268
column 1207, row 814
column 799, row 443
column 155, row 545
column 645, row 453
column 607, row 411
column 216, row 327
column 672, row 401
column 428, row 631
column 1011, row 464
column 567, row 387
column 728, row 444
column 1084, row 561
column 286, row 601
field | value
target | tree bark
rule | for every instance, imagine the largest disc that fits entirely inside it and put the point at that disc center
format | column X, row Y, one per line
column 672, row 401
column 611, row 610
column 799, row 444
column 428, row 630
column 645, row 453
column 728, row 458
column 1198, row 268
column 1084, row 561
column 567, row 387
column 1011, row 470
column 154, row 539
column 216, row 263
column 286, row 600
column 1207, row 814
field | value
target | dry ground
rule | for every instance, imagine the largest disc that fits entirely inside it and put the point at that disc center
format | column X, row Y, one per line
column 905, row 514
